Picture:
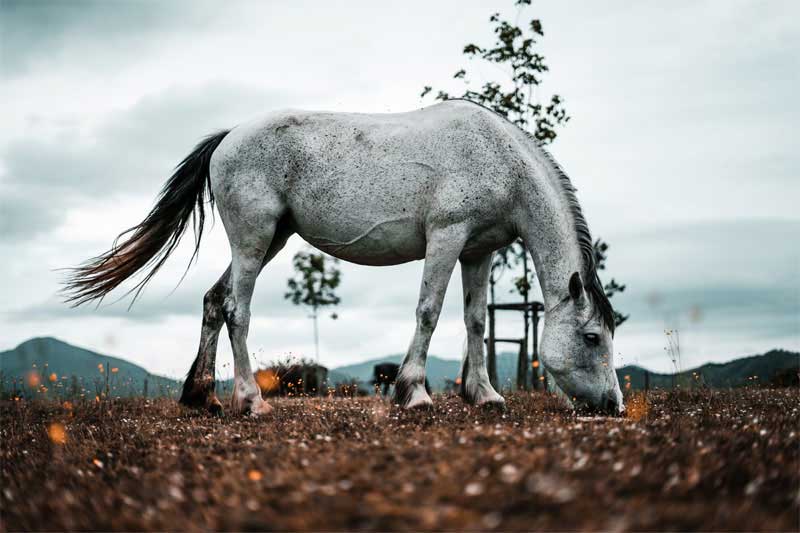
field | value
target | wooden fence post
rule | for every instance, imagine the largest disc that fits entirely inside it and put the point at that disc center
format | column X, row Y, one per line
column 522, row 365
column 538, row 370
column 491, row 354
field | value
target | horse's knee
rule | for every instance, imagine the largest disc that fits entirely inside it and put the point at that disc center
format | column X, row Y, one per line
column 236, row 315
column 213, row 308
column 475, row 323
column 427, row 316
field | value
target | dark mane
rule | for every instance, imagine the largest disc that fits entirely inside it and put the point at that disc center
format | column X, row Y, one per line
column 591, row 280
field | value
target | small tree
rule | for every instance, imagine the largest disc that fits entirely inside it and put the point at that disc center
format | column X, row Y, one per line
column 316, row 278
column 515, row 97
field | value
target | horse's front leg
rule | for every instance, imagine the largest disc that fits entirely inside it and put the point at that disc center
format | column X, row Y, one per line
column 475, row 386
column 441, row 253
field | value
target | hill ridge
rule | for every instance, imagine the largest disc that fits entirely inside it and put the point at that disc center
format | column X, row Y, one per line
column 60, row 365
column 65, row 359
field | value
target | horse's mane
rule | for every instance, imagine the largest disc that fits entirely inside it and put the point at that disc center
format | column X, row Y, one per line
column 591, row 280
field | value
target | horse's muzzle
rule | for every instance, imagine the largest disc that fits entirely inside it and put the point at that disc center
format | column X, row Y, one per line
column 609, row 404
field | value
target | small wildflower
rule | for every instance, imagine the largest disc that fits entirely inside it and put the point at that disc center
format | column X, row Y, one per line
column 57, row 433
column 510, row 474
column 473, row 489
column 33, row 379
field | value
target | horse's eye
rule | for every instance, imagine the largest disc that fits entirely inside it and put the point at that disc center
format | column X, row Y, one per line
column 592, row 339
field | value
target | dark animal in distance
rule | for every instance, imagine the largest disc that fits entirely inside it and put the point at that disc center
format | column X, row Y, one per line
column 385, row 374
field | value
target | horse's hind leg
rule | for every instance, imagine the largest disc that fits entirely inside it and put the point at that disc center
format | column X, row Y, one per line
column 442, row 251
column 475, row 385
column 198, row 389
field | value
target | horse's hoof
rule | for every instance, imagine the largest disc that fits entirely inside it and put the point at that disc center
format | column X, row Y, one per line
column 497, row 403
column 485, row 396
column 419, row 399
column 214, row 406
column 411, row 393
column 259, row 408
column 420, row 405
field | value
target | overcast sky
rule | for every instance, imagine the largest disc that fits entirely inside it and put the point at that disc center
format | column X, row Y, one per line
column 682, row 143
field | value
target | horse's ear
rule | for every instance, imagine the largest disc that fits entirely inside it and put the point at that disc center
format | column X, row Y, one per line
column 575, row 286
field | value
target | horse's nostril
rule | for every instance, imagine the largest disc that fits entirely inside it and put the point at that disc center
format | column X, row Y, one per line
column 610, row 405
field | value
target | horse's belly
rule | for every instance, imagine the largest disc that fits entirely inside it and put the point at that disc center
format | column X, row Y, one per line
column 382, row 243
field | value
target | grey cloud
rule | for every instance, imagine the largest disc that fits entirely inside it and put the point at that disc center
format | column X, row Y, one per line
column 747, row 253
column 90, row 33
column 133, row 151
column 716, row 276
column 23, row 216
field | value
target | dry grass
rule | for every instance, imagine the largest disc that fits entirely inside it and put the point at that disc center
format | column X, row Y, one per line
column 730, row 460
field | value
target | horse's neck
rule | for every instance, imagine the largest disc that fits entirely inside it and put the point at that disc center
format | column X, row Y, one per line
column 548, row 229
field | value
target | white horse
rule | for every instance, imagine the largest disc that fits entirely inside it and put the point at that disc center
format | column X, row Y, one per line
column 449, row 183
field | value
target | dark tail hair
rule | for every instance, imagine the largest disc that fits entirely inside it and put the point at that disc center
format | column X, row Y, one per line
column 150, row 243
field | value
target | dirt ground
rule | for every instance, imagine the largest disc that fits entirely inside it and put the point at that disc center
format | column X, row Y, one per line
column 711, row 461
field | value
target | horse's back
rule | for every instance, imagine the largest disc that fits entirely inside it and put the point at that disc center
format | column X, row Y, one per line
column 368, row 187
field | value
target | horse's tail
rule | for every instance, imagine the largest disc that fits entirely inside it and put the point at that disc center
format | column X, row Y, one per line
column 150, row 243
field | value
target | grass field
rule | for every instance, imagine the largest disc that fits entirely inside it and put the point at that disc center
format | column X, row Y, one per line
column 702, row 460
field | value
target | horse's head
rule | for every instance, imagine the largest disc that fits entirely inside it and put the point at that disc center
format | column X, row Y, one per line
column 577, row 349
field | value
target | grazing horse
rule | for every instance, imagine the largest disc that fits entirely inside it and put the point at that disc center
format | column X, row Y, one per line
column 448, row 183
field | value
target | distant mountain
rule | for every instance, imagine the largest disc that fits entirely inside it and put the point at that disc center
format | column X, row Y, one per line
column 736, row 373
column 73, row 368
column 62, row 367
column 715, row 375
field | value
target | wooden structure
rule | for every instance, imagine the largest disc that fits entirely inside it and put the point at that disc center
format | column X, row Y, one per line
column 532, row 313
